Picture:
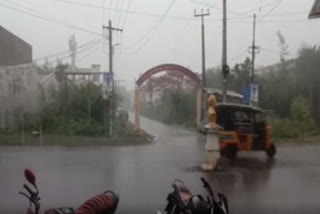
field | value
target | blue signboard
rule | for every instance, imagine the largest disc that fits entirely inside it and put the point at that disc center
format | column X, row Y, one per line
column 107, row 77
column 246, row 96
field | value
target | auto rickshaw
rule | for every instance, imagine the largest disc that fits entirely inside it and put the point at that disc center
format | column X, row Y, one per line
column 244, row 129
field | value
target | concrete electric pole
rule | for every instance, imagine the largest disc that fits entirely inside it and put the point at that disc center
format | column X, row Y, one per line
column 203, row 56
column 253, row 49
column 202, row 15
column 225, row 67
column 113, row 106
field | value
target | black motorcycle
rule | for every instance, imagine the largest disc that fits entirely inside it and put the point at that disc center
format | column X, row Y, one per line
column 182, row 201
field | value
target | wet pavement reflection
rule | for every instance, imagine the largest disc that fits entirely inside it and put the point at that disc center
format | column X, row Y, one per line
column 142, row 175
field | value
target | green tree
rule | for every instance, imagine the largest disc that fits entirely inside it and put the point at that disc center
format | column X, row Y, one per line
column 213, row 78
column 307, row 73
column 283, row 47
column 240, row 76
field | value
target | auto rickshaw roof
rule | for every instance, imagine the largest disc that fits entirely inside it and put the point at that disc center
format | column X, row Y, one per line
column 234, row 106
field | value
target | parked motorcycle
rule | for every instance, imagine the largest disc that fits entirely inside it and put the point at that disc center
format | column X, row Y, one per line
column 105, row 203
column 181, row 201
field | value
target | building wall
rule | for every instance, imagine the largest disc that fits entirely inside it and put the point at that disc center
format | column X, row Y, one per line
column 23, row 90
column 13, row 50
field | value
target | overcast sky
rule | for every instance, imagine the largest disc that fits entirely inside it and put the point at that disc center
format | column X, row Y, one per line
column 159, row 31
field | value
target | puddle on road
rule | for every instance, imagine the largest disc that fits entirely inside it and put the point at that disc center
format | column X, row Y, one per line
column 240, row 165
column 219, row 170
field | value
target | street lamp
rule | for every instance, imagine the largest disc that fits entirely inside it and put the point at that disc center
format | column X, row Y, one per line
column 115, row 45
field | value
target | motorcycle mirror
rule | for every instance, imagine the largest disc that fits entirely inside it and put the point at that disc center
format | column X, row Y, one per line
column 177, row 182
column 30, row 177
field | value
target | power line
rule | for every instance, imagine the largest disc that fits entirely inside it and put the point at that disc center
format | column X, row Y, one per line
column 90, row 42
column 261, row 3
column 273, row 21
column 270, row 11
column 270, row 51
column 120, row 12
column 151, row 32
column 140, row 13
column 275, row 51
column 125, row 18
column 217, row 8
column 84, row 49
column 257, row 8
column 129, row 11
column 289, row 13
column 273, row 15
column 88, row 54
column 117, row 10
column 80, row 50
column 126, row 14
column 103, row 11
column 119, row 19
column 110, row 4
column 44, row 17
column 245, row 51
column 95, row 44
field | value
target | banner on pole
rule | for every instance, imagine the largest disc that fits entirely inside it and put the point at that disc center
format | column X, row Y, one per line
column 254, row 92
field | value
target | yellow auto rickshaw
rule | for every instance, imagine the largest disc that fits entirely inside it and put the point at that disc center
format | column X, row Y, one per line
column 244, row 129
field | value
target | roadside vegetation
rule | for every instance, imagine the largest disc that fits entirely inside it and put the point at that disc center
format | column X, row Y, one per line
column 74, row 114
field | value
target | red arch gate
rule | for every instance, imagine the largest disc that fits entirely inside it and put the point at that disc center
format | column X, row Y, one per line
column 166, row 67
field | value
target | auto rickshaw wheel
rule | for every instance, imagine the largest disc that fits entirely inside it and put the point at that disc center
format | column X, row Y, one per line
column 231, row 152
column 271, row 151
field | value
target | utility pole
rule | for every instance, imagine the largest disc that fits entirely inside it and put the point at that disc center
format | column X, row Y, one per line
column 113, row 106
column 202, row 15
column 253, row 49
column 203, row 52
column 225, row 67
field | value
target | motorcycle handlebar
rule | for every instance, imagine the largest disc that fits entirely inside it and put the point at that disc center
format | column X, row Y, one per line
column 28, row 189
column 207, row 186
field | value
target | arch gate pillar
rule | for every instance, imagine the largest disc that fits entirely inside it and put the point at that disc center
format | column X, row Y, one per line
column 137, row 109
column 199, row 107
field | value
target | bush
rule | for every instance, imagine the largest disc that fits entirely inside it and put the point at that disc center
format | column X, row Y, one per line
column 299, row 125
column 85, row 127
column 284, row 128
column 300, row 109
column 288, row 128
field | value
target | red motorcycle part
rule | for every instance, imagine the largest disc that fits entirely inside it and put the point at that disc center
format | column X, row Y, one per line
column 105, row 203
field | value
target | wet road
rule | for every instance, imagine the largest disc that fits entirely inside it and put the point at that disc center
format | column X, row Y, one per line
column 142, row 175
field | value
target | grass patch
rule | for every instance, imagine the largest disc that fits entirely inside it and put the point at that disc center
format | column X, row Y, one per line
column 293, row 130
column 124, row 137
